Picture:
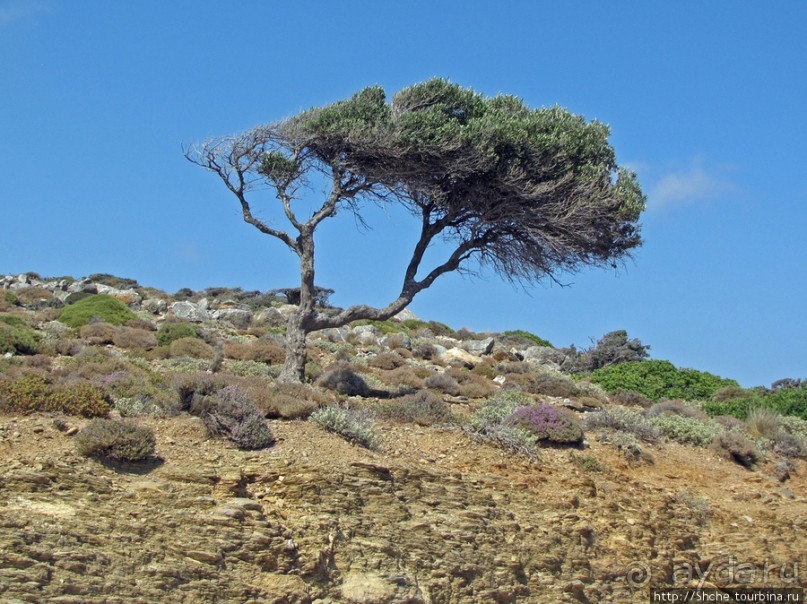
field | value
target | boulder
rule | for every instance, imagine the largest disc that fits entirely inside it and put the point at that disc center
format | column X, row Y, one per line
column 235, row 316
column 544, row 356
column 154, row 305
column 478, row 347
column 188, row 311
column 270, row 316
column 407, row 315
column 459, row 355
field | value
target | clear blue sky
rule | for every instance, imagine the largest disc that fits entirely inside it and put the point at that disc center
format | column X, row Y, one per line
column 706, row 101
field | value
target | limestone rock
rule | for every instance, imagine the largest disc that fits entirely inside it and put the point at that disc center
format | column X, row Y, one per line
column 188, row 311
column 154, row 305
column 270, row 316
column 235, row 316
column 478, row 347
column 463, row 356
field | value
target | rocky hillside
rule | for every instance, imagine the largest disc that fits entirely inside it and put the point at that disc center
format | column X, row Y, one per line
column 454, row 500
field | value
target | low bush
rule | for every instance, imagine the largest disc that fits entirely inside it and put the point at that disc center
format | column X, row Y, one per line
column 191, row 347
column 356, row 425
column 80, row 399
column 168, row 332
column 31, row 393
column 106, row 308
column 443, row 383
column 344, row 381
column 624, row 420
column 423, row 408
column 387, row 361
column 425, row 350
column 17, row 340
column 98, row 334
column 547, row 423
column 588, row 463
column 785, row 401
column 687, row 430
column 34, row 296
column 121, row 440
column 730, row 393
column 763, row 422
column 738, row 447
column 675, row 407
column 498, row 408
column 527, row 338
column 264, row 352
column 794, row 425
column 230, row 413
column 550, row 384
column 660, row 379
column 134, row 338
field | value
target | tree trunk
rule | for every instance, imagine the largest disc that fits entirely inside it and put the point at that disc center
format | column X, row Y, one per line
column 300, row 322
column 296, row 350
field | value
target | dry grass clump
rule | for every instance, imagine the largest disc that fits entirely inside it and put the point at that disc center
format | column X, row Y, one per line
column 472, row 385
column 32, row 296
column 405, row 376
column 738, row 447
column 387, row 361
column 631, row 398
column 291, row 401
column 442, row 382
column 191, row 347
column 261, row 351
column 98, row 333
column 423, row 408
column 121, row 440
column 134, row 338
column 675, row 407
column 355, row 425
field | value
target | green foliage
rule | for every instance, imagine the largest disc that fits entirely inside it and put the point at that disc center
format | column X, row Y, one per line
column 81, row 399
column 356, row 425
column 106, row 308
column 168, row 332
column 385, row 327
column 687, row 430
column 31, row 393
column 113, row 281
column 659, row 379
column 121, row 440
column 588, row 463
column 13, row 320
column 785, row 401
column 17, row 339
column 529, row 337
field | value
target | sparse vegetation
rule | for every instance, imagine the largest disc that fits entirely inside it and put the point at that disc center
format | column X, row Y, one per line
column 355, row 425
column 423, row 408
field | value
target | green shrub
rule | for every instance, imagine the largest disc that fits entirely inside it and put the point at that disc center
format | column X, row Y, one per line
column 121, row 440
column 168, row 332
column 794, row 425
column 660, row 379
column 106, row 308
column 25, row 394
column 385, row 327
column 31, row 393
column 687, row 430
column 356, row 425
column 588, row 463
column 423, row 408
column 528, row 337
column 785, row 401
column 13, row 320
column 17, row 339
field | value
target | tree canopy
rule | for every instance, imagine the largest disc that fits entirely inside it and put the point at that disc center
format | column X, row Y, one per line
column 530, row 192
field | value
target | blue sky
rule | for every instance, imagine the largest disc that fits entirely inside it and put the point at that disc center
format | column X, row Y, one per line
column 706, row 101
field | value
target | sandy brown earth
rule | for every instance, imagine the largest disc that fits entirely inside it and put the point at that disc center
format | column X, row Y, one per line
column 433, row 517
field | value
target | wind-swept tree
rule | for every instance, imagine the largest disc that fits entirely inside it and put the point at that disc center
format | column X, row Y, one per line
column 529, row 192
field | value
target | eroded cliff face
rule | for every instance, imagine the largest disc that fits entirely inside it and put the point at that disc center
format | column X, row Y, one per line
column 433, row 517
